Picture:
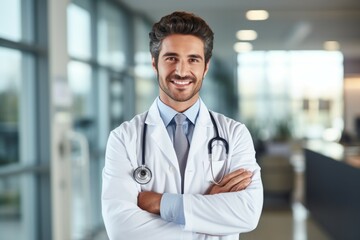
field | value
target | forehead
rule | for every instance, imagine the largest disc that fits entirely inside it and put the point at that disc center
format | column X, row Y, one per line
column 182, row 44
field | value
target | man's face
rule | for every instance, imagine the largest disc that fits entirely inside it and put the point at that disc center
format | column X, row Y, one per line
column 181, row 68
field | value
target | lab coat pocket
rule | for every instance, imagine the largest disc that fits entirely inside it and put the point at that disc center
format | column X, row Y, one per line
column 214, row 165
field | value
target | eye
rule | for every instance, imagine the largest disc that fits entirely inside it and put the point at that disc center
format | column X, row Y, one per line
column 170, row 59
column 194, row 60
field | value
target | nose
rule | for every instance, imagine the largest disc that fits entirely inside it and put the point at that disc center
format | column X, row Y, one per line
column 182, row 68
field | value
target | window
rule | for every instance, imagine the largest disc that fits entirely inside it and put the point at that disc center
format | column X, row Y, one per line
column 19, row 218
column 10, row 86
column 17, row 207
column 146, row 83
column 83, row 111
column 80, row 81
column 98, row 45
column 301, row 89
column 112, row 37
column 79, row 32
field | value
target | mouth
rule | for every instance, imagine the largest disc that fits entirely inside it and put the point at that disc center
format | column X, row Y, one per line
column 181, row 82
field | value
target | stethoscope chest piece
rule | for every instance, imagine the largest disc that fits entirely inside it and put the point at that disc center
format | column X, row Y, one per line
column 142, row 175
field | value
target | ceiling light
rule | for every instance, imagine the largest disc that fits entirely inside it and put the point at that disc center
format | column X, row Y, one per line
column 242, row 47
column 331, row 45
column 257, row 15
column 246, row 35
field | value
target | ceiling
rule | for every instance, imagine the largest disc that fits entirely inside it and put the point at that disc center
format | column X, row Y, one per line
column 292, row 24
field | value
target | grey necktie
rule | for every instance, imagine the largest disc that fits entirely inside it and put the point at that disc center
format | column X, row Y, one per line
column 181, row 145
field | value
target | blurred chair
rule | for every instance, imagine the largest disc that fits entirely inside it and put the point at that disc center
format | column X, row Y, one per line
column 278, row 179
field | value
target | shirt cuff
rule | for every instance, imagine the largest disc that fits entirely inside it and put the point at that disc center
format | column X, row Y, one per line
column 172, row 208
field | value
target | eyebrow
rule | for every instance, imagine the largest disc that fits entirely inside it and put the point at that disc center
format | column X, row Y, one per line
column 170, row 54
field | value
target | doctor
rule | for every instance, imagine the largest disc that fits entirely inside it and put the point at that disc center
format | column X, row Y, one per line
column 186, row 195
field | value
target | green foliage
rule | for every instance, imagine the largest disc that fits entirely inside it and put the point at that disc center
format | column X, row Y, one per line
column 282, row 131
column 9, row 107
column 9, row 198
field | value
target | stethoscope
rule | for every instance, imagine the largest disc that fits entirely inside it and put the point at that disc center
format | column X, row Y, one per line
column 143, row 174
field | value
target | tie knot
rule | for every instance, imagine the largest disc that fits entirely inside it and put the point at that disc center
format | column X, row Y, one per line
column 179, row 118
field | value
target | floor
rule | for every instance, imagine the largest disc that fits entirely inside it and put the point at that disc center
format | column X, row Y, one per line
column 294, row 223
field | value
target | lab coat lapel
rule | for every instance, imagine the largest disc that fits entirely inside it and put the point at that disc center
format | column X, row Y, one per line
column 201, row 132
column 159, row 136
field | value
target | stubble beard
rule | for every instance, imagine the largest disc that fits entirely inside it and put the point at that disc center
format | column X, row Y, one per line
column 179, row 97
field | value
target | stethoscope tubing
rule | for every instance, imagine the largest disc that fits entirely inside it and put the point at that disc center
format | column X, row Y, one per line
column 143, row 174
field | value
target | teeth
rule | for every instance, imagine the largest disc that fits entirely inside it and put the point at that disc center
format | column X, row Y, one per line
column 181, row 82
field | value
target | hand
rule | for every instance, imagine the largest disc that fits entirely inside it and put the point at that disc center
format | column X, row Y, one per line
column 150, row 202
column 232, row 182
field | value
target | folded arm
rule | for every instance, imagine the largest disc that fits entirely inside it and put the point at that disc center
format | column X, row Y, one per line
column 217, row 206
column 232, row 182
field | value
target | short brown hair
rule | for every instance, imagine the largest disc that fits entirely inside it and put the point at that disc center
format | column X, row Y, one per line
column 181, row 23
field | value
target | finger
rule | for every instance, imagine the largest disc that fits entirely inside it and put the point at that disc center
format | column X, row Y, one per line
column 244, row 184
column 231, row 182
column 231, row 175
column 241, row 185
column 237, row 180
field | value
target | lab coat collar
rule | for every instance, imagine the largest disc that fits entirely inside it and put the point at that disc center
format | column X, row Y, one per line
column 167, row 113
column 154, row 118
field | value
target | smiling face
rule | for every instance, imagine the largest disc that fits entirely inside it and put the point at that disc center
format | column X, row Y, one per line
column 180, row 69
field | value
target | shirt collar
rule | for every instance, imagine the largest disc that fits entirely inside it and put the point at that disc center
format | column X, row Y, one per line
column 167, row 113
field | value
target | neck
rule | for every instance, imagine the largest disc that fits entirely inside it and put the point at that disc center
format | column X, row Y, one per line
column 180, row 106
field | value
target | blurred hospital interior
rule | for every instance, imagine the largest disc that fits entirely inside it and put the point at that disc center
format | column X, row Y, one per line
column 73, row 70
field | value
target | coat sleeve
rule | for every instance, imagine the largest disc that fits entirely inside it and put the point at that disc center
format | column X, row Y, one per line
column 122, row 217
column 229, row 213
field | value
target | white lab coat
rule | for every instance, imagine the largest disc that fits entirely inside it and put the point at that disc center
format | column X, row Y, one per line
column 219, row 216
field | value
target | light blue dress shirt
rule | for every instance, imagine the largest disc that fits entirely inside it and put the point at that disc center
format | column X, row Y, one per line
column 171, row 206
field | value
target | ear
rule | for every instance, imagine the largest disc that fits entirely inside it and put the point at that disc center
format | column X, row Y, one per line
column 207, row 65
column 153, row 63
